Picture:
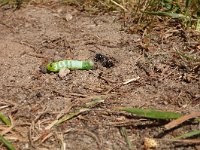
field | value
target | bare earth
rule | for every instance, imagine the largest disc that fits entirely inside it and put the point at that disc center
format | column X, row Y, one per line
column 33, row 36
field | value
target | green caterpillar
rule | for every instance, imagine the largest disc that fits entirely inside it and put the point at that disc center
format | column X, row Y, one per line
column 71, row 65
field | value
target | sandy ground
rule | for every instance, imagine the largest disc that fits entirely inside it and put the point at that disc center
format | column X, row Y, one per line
column 33, row 36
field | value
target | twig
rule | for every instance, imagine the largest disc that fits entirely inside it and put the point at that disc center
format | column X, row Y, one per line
column 121, row 84
column 77, row 94
column 46, row 137
column 182, row 119
column 131, row 80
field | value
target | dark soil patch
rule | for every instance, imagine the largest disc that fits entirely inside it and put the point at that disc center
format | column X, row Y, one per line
column 32, row 36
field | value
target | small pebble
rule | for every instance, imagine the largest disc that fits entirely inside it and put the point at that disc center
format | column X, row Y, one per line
column 68, row 17
column 63, row 72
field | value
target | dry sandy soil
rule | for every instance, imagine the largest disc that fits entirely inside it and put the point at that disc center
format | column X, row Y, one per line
column 35, row 35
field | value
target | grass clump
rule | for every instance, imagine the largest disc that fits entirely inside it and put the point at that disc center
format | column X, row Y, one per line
column 185, row 10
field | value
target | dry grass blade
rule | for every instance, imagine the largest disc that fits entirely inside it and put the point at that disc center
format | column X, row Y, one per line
column 76, row 113
column 187, row 135
column 43, row 136
column 182, row 119
column 122, row 7
column 5, row 119
column 65, row 118
column 124, row 134
column 198, row 24
column 7, row 143
column 61, row 138
column 151, row 113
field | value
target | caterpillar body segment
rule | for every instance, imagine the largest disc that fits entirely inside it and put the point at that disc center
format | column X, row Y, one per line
column 71, row 65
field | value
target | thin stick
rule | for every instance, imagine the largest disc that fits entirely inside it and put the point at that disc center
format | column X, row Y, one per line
column 182, row 119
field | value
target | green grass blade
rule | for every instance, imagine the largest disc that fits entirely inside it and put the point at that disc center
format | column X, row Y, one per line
column 198, row 21
column 7, row 143
column 5, row 119
column 4, row 2
column 70, row 116
column 197, row 120
column 187, row 57
column 168, row 14
column 187, row 135
column 187, row 3
column 94, row 102
column 151, row 113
